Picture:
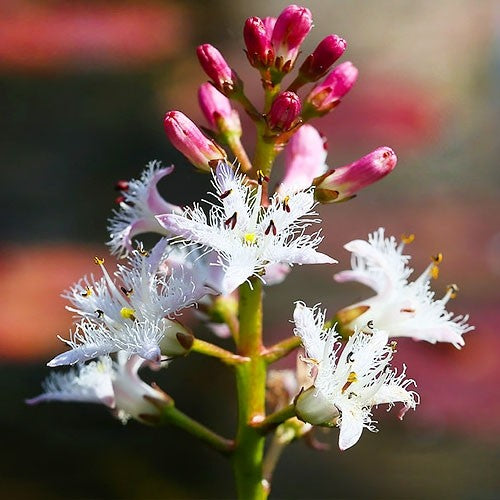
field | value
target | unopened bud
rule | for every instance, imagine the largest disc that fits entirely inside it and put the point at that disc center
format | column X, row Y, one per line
column 216, row 67
column 218, row 110
column 290, row 30
column 320, row 61
column 284, row 112
column 258, row 43
column 312, row 407
column 177, row 340
column 269, row 24
column 185, row 136
column 327, row 94
column 305, row 157
column 343, row 183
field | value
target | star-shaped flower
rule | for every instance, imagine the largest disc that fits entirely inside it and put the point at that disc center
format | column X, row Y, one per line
column 246, row 235
column 350, row 382
column 401, row 307
column 134, row 314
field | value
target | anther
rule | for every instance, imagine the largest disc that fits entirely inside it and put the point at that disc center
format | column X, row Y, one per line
column 225, row 194
column 126, row 292
column 231, row 221
column 452, row 290
column 87, row 292
column 435, row 272
column 350, row 358
column 127, row 313
column 271, row 227
column 407, row 310
column 438, row 258
column 99, row 313
column 286, row 206
column 351, row 378
column 121, row 185
column 407, row 238
column 261, row 177
column 370, row 324
column 119, row 199
column 393, row 346
column 98, row 261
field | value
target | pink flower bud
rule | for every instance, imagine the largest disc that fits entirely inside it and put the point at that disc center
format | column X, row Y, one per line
column 190, row 141
column 216, row 67
column 258, row 42
column 290, row 30
column 326, row 53
column 218, row 110
column 269, row 23
column 327, row 94
column 284, row 111
column 343, row 183
column 305, row 157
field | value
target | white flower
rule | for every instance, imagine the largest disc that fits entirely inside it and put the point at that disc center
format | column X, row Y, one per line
column 115, row 384
column 353, row 382
column 132, row 316
column 140, row 204
column 403, row 308
column 247, row 236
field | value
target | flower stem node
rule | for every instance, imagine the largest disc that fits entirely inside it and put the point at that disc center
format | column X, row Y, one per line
column 185, row 136
column 312, row 407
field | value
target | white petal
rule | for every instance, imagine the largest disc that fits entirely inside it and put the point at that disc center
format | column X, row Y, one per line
column 351, row 427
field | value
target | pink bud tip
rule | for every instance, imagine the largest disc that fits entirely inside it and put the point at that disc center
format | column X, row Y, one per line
column 217, row 109
column 190, row 141
column 216, row 67
column 326, row 53
column 327, row 94
column 344, row 182
column 258, row 43
column 284, row 111
column 290, row 30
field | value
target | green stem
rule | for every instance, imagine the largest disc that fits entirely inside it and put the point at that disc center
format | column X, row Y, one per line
column 251, row 385
column 208, row 349
column 281, row 349
column 272, row 457
column 265, row 151
column 272, row 421
column 172, row 415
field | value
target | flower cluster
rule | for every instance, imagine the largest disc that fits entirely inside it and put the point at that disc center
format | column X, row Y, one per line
column 217, row 256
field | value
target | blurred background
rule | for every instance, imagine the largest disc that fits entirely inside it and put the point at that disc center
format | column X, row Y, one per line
column 83, row 89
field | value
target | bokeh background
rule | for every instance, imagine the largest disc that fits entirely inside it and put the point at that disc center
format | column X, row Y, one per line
column 83, row 88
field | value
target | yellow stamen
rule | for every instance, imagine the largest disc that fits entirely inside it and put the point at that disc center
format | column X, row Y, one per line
column 250, row 238
column 393, row 346
column 407, row 238
column 127, row 313
column 98, row 261
column 352, row 377
column 452, row 290
column 438, row 258
column 434, row 272
column 87, row 292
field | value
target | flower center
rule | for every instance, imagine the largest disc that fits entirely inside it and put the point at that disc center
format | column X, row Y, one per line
column 249, row 238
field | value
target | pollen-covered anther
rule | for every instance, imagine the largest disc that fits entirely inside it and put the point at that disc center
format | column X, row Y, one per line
column 351, row 378
column 285, row 205
column 225, row 194
column 408, row 310
column 393, row 345
column 126, row 292
column 261, row 177
column 407, row 238
column 438, row 258
column 127, row 313
column 87, row 292
column 452, row 290
column 250, row 238
column 271, row 228
column 98, row 261
column 231, row 221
